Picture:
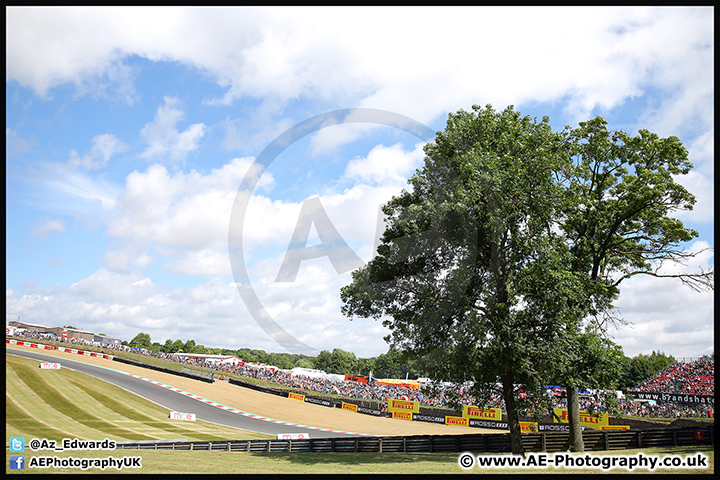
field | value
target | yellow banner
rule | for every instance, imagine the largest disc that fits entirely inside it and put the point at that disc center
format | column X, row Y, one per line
column 461, row 421
column 529, row 427
column 349, row 406
column 296, row 396
column 402, row 415
column 586, row 419
column 482, row 413
column 395, row 405
column 615, row 427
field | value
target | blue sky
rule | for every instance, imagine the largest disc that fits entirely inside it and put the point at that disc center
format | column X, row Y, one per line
column 129, row 132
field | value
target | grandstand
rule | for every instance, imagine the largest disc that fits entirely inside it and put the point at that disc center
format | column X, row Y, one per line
column 693, row 378
column 683, row 389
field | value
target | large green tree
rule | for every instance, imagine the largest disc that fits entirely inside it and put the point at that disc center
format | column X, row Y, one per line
column 622, row 195
column 393, row 364
column 454, row 275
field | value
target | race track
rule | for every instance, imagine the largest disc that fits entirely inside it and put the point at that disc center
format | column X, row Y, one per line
column 180, row 401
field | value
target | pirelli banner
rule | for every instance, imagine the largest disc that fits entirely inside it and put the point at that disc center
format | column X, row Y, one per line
column 595, row 421
column 529, row 427
column 482, row 413
column 407, row 406
column 401, row 415
column 459, row 421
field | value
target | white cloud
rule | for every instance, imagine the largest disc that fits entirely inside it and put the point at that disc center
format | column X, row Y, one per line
column 385, row 165
column 184, row 216
column 15, row 144
column 48, row 225
column 70, row 192
column 665, row 315
column 53, row 46
column 104, row 147
column 701, row 180
column 421, row 62
column 162, row 136
column 126, row 258
column 123, row 305
column 211, row 262
column 407, row 61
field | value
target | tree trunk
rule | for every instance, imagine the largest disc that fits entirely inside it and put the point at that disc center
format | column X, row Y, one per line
column 576, row 440
column 513, row 420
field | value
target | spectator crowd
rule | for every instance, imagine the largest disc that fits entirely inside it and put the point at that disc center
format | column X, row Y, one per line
column 696, row 378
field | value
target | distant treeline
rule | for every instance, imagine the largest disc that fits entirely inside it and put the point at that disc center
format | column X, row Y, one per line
column 392, row 364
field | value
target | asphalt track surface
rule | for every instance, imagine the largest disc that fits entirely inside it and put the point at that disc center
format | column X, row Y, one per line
column 184, row 402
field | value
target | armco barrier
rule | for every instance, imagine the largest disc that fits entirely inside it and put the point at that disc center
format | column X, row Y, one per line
column 483, row 442
column 259, row 388
column 164, row 370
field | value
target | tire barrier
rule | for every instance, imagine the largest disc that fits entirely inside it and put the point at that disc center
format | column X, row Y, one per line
column 85, row 352
column 41, row 346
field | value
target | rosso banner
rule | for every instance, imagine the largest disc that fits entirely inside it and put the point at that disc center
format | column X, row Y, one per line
column 487, row 424
column 319, row 401
column 428, row 418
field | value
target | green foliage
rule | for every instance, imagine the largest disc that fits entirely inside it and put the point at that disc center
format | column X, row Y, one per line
column 642, row 367
column 456, row 274
column 338, row 361
column 141, row 340
column 503, row 261
column 171, row 347
column 395, row 364
column 188, row 347
column 304, row 362
column 622, row 195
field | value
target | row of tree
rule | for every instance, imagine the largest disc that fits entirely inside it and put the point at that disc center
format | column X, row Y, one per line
column 392, row 364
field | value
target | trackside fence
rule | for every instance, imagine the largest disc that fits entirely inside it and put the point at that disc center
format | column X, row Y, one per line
column 496, row 442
